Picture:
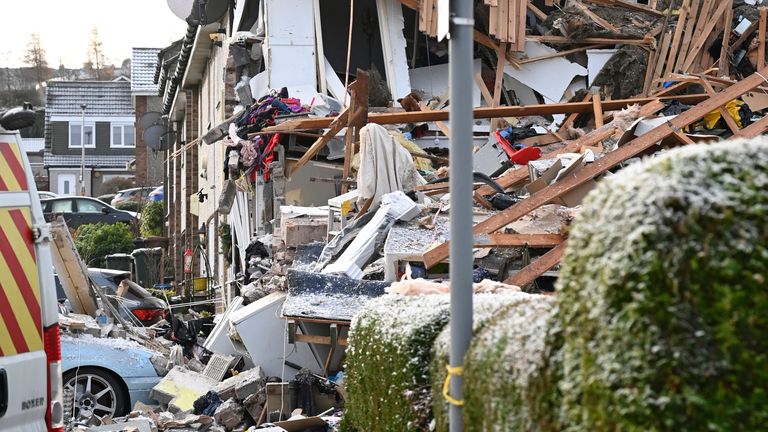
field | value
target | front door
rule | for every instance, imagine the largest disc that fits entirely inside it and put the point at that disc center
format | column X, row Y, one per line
column 67, row 184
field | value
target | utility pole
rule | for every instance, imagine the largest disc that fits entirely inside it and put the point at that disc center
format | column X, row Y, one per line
column 82, row 150
column 461, row 65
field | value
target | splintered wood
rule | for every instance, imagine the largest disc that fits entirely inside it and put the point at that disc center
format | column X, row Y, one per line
column 507, row 22
column 685, row 46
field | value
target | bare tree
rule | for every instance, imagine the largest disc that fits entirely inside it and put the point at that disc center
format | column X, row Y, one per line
column 35, row 58
column 96, row 57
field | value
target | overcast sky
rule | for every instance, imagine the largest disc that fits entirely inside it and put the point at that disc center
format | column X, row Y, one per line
column 65, row 28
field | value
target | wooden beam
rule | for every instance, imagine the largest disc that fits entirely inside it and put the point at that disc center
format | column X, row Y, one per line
column 497, row 86
column 589, row 41
column 597, row 108
column 483, row 89
column 729, row 121
column 681, row 21
column 724, row 61
column 518, row 240
column 537, row 268
column 761, row 39
column 485, row 112
column 698, row 44
column 335, row 127
column 571, row 119
column 755, row 129
column 744, row 36
column 600, row 166
column 597, row 19
column 690, row 23
column 559, row 53
column 536, row 11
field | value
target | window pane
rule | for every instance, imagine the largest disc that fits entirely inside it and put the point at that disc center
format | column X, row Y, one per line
column 74, row 135
column 88, row 135
column 63, row 206
column 130, row 136
column 87, row 206
column 117, row 136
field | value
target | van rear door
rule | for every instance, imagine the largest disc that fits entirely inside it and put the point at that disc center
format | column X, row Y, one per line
column 29, row 386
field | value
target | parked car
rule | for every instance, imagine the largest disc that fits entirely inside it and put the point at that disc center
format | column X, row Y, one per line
column 46, row 195
column 84, row 210
column 106, row 198
column 157, row 194
column 136, row 301
column 138, row 195
column 106, row 376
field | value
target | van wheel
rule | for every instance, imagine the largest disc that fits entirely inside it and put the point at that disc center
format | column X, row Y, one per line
column 94, row 392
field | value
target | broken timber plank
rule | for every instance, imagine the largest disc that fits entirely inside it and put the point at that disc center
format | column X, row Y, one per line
column 537, row 268
column 497, row 86
column 597, row 108
column 693, row 12
column 698, row 44
column 536, row 11
column 560, row 53
column 757, row 128
column 729, row 121
column 681, row 21
column 483, row 89
column 761, row 39
column 484, row 112
column 594, row 17
column 335, row 127
column 724, row 61
column 600, row 166
column 518, row 240
column 589, row 41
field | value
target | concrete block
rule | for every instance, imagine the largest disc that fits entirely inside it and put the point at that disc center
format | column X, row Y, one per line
column 180, row 388
column 229, row 414
column 241, row 385
column 254, row 404
column 303, row 230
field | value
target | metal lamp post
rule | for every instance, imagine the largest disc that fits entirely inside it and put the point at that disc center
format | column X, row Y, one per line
column 82, row 150
column 461, row 27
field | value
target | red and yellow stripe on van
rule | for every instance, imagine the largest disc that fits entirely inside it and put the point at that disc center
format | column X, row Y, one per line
column 12, row 176
column 20, row 311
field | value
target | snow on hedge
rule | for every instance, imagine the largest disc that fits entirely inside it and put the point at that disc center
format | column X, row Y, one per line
column 663, row 296
column 388, row 357
column 511, row 369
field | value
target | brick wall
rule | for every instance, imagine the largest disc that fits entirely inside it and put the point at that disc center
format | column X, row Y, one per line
column 192, row 121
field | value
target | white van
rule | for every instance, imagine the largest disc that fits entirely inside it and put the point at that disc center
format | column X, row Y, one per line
column 30, row 350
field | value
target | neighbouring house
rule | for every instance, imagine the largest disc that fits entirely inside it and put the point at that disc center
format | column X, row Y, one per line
column 109, row 135
column 33, row 143
column 149, row 161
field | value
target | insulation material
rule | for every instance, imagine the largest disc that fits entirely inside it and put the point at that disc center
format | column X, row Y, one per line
column 550, row 77
column 239, row 219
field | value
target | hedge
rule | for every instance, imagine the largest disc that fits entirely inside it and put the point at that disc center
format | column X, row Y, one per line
column 388, row 357
column 498, row 323
column 663, row 295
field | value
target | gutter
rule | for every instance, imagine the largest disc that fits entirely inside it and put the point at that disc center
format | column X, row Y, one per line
column 181, row 67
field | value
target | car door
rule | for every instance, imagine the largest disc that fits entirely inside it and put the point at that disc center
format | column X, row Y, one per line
column 91, row 212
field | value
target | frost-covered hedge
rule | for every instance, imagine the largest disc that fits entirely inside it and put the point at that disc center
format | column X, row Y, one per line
column 388, row 357
column 506, row 372
column 663, row 297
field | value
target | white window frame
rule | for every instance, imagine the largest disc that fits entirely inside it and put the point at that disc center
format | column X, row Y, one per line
column 122, row 127
column 77, row 124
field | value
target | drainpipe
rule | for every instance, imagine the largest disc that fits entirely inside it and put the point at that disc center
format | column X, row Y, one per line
column 82, row 150
column 461, row 52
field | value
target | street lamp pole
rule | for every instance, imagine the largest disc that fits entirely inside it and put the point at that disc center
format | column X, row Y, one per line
column 82, row 151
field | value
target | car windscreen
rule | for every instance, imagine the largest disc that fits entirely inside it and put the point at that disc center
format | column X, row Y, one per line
column 105, row 283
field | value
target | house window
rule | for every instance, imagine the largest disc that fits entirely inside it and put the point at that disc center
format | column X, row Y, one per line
column 123, row 135
column 74, row 135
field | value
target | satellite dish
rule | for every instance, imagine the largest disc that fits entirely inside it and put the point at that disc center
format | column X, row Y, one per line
column 159, row 136
column 200, row 12
column 149, row 118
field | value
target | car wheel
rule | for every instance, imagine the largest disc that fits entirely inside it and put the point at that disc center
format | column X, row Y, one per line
column 95, row 392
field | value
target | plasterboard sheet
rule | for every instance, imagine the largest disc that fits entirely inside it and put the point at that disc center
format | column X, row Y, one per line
column 290, row 47
column 596, row 60
column 433, row 80
column 335, row 86
column 550, row 77
column 391, row 24
column 524, row 94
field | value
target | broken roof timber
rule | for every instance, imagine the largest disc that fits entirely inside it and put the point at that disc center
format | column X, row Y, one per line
column 610, row 160
column 483, row 112
column 537, row 268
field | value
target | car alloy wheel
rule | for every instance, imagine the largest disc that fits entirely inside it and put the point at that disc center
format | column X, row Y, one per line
column 95, row 393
